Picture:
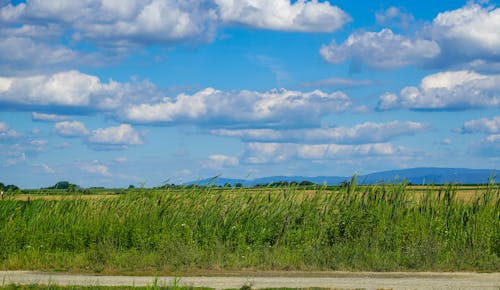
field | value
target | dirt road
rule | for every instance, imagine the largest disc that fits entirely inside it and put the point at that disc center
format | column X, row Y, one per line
column 343, row 280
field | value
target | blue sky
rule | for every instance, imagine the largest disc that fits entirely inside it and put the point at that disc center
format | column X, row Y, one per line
column 112, row 93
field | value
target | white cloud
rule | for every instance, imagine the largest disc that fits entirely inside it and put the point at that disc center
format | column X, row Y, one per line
column 70, row 88
column 450, row 90
column 97, row 169
column 7, row 133
column 121, row 23
column 262, row 153
column 241, row 108
column 483, row 125
column 307, row 16
column 21, row 52
column 48, row 117
column 465, row 37
column 121, row 135
column 363, row 133
column 219, row 161
column 469, row 32
column 381, row 50
column 70, row 129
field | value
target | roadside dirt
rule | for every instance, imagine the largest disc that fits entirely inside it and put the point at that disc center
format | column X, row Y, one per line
column 335, row 280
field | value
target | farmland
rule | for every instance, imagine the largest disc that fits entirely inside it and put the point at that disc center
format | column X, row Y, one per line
column 187, row 230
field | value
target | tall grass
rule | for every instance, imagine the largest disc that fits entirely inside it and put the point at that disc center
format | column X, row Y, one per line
column 381, row 228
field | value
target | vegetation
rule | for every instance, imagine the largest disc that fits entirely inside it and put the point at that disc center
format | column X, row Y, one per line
column 173, row 230
column 152, row 287
column 57, row 287
column 8, row 187
column 63, row 185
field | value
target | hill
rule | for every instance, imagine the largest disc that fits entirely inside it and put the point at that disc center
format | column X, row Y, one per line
column 422, row 175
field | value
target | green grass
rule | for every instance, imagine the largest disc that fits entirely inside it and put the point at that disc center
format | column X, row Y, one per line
column 377, row 228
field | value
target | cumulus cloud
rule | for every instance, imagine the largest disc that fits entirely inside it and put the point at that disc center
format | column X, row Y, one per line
column 483, row 125
column 7, row 133
column 363, row 133
column 219, row 161
column 126, row 24
column 241, row 108
column 381, row 50
column 35, row 116
column 468, row 33
column 144, row 102
column 261, row 153
column 110, row 138
column 450, row 90
column 468, row 36
column 120, row 23
column 307, row 16
column 68, row 89
column 70, row 129
column 121, row 135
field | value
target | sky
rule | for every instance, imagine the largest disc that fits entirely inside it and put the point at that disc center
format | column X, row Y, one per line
column 119, row 92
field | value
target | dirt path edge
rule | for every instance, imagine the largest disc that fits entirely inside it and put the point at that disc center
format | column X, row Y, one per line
column 342, row 280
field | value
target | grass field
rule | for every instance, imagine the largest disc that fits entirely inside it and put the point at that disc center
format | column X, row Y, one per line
column 375, row 228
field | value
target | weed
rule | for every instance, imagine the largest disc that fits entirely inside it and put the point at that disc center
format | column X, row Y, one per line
column 381, row 227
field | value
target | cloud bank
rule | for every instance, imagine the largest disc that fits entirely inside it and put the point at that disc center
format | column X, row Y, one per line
column 279, row 107
column 367, row 132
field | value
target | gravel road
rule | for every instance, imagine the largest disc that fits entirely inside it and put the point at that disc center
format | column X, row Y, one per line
column 343, row 280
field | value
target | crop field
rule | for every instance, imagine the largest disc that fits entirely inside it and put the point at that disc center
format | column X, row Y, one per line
column 171, row 231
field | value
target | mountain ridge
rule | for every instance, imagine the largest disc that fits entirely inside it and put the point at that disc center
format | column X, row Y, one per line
column 418, row 175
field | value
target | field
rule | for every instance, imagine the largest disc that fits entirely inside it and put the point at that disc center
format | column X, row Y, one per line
column 193, row 230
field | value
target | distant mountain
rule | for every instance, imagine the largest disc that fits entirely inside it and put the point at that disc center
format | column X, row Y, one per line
column 423, row 175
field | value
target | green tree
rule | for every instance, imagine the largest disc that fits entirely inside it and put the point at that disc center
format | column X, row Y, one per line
column 62, row 185
column 306, row 183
